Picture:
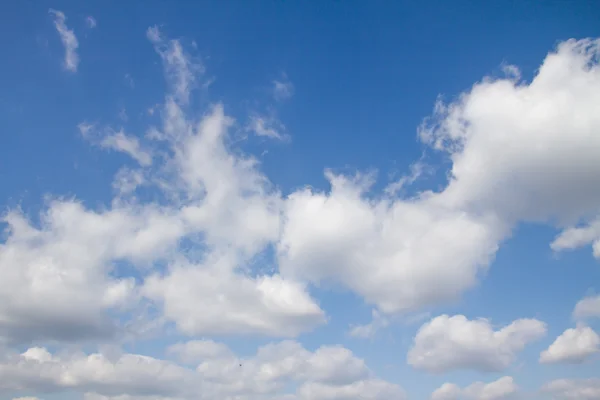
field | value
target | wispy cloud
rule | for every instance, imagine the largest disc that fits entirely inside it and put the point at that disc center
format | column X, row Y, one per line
column 68, row 39
column 283, row 88
column 267, row 126
column 91, row 22
column 181, row 71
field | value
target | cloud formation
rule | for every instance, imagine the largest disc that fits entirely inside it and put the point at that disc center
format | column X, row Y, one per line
column 327, row 373
column 68, row 39
column 503, row 388
column 448, row 343
column 573, row 346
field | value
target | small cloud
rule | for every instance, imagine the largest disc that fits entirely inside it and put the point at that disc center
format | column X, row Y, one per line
column 69, row 40
column 267, row 127
column 123, row 115
column 85, row 128
column 118, row 141
column 511, row 71
column 282, row 89
column 90, row 22
column 129, row 81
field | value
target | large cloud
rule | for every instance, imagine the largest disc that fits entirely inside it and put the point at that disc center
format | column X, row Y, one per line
column 212, row 212
column 446, row 343
column 515, row 148
column 328, row 373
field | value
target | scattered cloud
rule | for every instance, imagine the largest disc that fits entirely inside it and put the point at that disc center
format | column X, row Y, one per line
column 503, row 388
column 62, row 275
column 68, row 39
column 448, row 343
column 573, row 346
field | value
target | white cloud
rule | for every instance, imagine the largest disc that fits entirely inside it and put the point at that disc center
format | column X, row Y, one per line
column 282, row 89
column 91, row 22
column 575, row 237
column 447, row 343
column 573, row 346
column 267, row 127
column 212, row 299
column 68, row 38
column 515, row 148
column 55, row 279
column 127, row 144
column 574, row 389
column 327, row 373
column 381, row 249
column 503, row 388
column 181, row 72
column 64, row 278
column 587, row 308
column 118, row 141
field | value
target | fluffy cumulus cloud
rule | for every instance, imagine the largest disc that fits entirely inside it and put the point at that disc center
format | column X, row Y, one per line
column 503, row 388
column 514, row 148
column 588, row 307
column 574, row 345
column 327, row 373
column 68, row 39
column 61, row 278
column 446, row 343
column 573, row 389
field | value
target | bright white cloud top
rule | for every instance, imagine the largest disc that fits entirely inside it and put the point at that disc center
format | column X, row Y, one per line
column 219, row 251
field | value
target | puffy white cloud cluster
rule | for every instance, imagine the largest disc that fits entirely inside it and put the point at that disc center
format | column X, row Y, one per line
column 515, row 148
column 574, row 345
column 327, row 373
column 446, row 343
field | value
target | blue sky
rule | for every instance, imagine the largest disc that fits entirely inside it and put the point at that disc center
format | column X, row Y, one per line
column 300, row 200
